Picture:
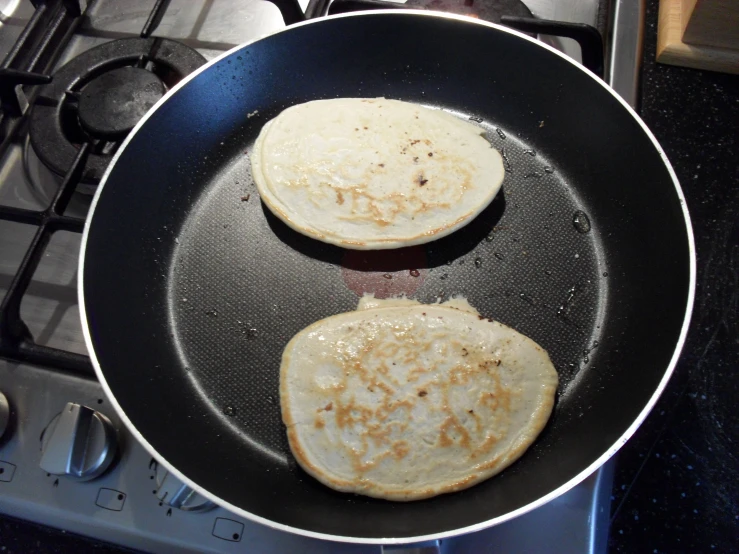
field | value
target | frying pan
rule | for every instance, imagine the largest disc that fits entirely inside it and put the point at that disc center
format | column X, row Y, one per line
column 190, row 289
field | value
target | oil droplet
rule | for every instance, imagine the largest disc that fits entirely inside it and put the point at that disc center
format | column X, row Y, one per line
column 581, row 222
column 489, row 238
column 548, row 170
column 415, row 273
column 562, row 310
column 501, row 134
column 526, row 298
column 548, row 272
column 271, row 399
column 531, row 153
column 506, row 161
column 443, row 276
column 478, row 262
column 212, row 313
column 387, row 276
column 605, row 274
column 499, row 256
column 250, row 333
column 229, row 411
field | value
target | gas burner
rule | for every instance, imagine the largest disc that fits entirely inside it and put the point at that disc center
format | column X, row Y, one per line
column 111, row 104
column 100, row 95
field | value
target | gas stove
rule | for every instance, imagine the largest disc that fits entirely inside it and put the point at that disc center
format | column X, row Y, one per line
column 66, row 460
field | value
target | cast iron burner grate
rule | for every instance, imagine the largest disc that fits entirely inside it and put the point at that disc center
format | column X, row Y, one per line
column 100, row 95
column 39, row 45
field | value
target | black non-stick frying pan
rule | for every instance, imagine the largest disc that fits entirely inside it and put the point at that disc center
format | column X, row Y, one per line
column 190, row 288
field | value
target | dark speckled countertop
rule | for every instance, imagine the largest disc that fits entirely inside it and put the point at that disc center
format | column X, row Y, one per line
column 676, row 487
column 677, row 483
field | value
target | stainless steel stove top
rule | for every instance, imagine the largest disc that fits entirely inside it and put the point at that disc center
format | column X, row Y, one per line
column 127, row 505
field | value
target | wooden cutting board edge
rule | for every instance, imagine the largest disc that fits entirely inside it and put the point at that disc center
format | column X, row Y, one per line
column 672, row 50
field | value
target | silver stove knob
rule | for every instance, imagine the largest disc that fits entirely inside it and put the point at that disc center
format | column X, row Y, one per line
column 175, row 493
column 79, row 443
column 4, row 414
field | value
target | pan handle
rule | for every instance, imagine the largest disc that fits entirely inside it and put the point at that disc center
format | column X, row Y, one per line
column 291, row 11
column 587, row 36
column 346, row 6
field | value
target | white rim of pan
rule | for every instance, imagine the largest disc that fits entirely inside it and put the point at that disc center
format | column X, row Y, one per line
column 577, row 479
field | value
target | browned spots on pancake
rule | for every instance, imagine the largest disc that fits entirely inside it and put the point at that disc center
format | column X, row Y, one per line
column 319, row 423
column 400, row 449
column 494, row 462
column 379, row 435
column 339, row 197
column 348, row 414
column 387, row 389
column 452, row 425
column 490, row 441
column 422, row 393
column 415, row 374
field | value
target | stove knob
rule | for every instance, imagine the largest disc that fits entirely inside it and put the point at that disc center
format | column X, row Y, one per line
column 175, row 493
column 79, row 443
column 4, row 414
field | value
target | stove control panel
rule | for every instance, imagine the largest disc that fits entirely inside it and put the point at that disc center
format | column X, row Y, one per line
column 137, row 503
column 79, row 443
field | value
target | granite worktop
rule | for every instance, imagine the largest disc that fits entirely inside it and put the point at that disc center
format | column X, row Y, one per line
column 676, row 487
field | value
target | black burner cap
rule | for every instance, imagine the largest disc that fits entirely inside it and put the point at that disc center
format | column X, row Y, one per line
column 80, row 104
column 111, row 104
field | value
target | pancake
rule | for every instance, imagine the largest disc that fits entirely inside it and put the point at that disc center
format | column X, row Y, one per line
column 372, row 173
column 405, row 401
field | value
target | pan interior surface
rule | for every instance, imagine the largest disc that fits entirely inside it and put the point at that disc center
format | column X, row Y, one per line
column 573, row 252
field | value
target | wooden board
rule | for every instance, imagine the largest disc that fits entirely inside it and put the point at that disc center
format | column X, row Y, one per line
column 672, row 50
